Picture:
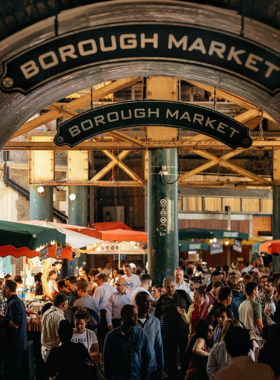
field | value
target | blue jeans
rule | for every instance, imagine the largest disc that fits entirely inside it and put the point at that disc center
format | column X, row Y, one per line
column 11, row 366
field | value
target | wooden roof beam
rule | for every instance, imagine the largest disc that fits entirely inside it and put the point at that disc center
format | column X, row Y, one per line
column 125, row 168
column 234, row 168
column 230, row 97
column 123, row 137
column 75, row 104
column 109, row 166
column 213, row 161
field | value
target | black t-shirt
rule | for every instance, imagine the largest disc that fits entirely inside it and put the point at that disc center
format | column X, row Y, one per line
column 69, row 362
column 174, row 325
column 73, row 296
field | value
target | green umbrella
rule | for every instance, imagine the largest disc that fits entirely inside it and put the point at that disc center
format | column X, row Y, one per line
column 256, row 248
column 207, row 233
column 192, row 246
column 195, row 233
column 25, row 235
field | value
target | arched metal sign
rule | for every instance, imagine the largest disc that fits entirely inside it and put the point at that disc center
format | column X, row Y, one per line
column 143, row 41
column 153, row 113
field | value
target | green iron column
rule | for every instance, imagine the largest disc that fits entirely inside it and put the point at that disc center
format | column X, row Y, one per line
column 276, row 224
column 41, row 204
column 78, row 215
column 162, row 214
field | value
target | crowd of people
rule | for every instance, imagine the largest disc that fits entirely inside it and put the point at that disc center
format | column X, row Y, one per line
column 117, row 325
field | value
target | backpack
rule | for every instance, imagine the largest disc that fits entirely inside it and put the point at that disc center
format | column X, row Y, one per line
column 92, row 324
column 237, row 299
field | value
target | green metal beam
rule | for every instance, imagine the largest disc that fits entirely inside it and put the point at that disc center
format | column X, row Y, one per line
column 41, row 204
column 78, row 215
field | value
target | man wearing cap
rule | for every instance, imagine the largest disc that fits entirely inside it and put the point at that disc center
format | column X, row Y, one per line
column 216, row 275
column 50, row 323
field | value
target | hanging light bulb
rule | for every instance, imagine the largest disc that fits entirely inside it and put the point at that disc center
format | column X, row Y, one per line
column 135, row 246
column 72, row 196
column 40, row 189
column 211, row 241
column 215, row 240
column 227, row 242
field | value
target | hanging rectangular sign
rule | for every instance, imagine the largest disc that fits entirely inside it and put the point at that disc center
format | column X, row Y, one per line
column 123, row 42
column 230, row 234
column 58, row 252
column 194, row 257
column 216, row 247
column 44, row 253
column 153, row 113
column 237, row 245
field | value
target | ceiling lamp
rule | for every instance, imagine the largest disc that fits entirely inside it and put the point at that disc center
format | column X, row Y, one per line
column 40, row 189
column 72, row 196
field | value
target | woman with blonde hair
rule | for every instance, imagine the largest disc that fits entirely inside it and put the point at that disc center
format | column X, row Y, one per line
column 53, row 288
column 219, row 357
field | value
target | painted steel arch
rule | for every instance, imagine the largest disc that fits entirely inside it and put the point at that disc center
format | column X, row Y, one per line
column 15, row 108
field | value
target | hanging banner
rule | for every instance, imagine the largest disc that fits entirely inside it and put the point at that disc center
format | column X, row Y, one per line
column 153, row 113
column 61, row 55
column 237, row 245
column 216, row 247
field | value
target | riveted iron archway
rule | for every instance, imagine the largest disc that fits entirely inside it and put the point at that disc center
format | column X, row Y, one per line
column 171, row 12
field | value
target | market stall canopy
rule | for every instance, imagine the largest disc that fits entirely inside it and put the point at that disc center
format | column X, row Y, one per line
column 124, row 235
column 206, row 233
column 192, row 246
column 105, row 226
column 270, row 247
column 9, row 250
column 21, row 235
column 257, row 242
column 248, row 243
column 74, row 239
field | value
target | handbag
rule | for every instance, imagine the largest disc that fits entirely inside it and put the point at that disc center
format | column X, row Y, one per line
column 96, row 372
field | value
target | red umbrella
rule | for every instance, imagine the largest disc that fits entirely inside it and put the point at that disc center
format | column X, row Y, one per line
column 270, row 247
column 124, row 235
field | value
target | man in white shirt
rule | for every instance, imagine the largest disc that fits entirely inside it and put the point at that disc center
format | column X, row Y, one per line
column 241, row 366
column 145, row 286
column 132, row 281
column 50, row 323
column 107, row 269
column 102, row 294
column 250, row 267
column 115, row 303
column 180, row 284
